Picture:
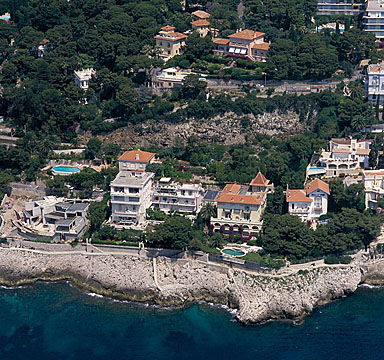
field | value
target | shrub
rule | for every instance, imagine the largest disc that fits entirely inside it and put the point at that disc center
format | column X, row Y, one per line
column 331, row 260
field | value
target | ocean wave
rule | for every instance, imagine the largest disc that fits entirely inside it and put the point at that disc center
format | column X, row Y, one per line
column 370, row 286
column 12, row 287
column 94, row 295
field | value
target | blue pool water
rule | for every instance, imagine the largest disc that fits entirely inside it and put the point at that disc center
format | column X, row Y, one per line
column 233, row 252
column 56, row 321
column 316, row 168
column 66, row 169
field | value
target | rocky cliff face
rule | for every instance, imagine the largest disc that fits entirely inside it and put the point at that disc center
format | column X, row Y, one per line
column 211, row 130
column 258, row 298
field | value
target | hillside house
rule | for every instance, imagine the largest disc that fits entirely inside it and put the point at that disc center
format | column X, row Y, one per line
column 373, row 181
column 170, row 42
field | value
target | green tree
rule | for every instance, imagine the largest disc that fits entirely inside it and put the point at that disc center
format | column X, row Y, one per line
column 208, row 211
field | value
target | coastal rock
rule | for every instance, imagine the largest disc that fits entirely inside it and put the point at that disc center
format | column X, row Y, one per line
column 166, row 282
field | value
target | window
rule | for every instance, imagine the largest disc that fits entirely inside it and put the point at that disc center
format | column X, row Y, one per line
column 161, row 43
column 317, row 201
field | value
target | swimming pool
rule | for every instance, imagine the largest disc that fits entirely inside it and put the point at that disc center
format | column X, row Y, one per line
column 233, row 252
column 316, row 168
column 65, row 170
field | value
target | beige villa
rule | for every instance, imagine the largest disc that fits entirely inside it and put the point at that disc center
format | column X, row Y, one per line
column 170, row 42
column 203, row 27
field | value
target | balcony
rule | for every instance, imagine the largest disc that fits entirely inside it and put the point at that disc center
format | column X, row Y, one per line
column 299, row 211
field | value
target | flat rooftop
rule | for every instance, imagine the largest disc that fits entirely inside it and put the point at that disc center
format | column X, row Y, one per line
column 125, row 178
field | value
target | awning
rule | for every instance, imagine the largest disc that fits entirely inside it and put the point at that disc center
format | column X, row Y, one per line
column 231, row 50
column 237, row 51
column 243, row 51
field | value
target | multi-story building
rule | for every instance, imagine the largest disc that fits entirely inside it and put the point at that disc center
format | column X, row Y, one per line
column 170, row 42
column 201, row 26
column 373, row 19
column 169, row 78
column 373, row 181
column 52, row 217
column 82, row 77
column 345, row 157
column 239, row 208
column 246, row 44
column 374, row 83
column 131, row 189
column 309, row 203
column 340, row 7
column 184, row 198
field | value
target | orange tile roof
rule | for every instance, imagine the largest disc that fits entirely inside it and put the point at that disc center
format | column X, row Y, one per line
column 168, row 28
column 259, row 180
column 136, row 156
column 220, row 41
column 317, row 184
column 201, row 14
column 44, row 41
column 200, row 22
column 174, row 36
column 363, row 151
column 240, row 199
column 262, row 46
column 375, row 68
column 231, row 188
column 296, row 196
column 246, row 34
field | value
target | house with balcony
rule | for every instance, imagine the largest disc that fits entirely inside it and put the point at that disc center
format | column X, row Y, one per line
column 373, row 19
column 170, row 42
column 203, row 27
column 170, row 78
column 131, row 190
column 54, row 218
column 245, row 44
column 240, row 207
column 82, row 77
column 374, row 82
column 340, row 7
column 172, row 196
column 345, row 157
column 309, row 203
column 373, row 181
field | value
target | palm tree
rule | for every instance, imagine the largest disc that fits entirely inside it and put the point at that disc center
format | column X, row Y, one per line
column 358, row 122
column 207, row 211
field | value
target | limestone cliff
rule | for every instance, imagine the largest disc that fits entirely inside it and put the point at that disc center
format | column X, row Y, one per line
column 258, row 298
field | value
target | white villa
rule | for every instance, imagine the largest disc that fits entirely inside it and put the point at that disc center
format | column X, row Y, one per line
column 373, row 181
column 169, row 78
column 131, row 189
column 345, row 157
column 374, row 83
column 239, row 207
column 309, row 203
column 82, row 77
column 184, row 198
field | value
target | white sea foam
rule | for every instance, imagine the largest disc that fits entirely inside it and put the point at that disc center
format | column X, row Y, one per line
column 95, row 295
column 369, row 286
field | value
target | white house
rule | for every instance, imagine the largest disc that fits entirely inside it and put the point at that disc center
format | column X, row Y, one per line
column 82, row 77
column 309, row 203
column 184, row 198
column 131, row 190
column 373, row 181
column 373, row 19
column 42, row 48
column 169, row 78
column 374, row 83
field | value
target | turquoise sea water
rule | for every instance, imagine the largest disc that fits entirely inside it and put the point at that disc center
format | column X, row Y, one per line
column 58, row 321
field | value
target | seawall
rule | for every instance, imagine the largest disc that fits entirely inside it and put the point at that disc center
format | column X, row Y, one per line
column 167, row 282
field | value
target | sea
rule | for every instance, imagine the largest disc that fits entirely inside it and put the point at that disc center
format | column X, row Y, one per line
column 59, row 321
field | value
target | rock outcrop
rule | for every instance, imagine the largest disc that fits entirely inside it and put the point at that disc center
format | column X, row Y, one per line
column 258, row 298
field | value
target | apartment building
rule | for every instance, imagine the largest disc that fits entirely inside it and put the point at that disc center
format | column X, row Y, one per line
column 246, row 44
column 131, row 189
column 183, row 198
column 340, row 7
column 374, row 83
column 170, row 42
column 309, row 203
column 239, row 207
column 373, row 181
column 373, row 19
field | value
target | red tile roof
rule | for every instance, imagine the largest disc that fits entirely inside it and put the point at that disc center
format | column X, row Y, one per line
column 240, row 199
column 174, row 36
column 137, row 156
column 168, row 28
column 317, row 184
column 200, row 22
column 201, row 14
column 296, row 196
column 262, row 46
column 220, row 41
column 231, row 188
column 44, row 41
column 259, row 180
column 246, row 34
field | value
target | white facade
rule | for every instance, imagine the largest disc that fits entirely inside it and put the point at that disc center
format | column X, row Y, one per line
column 339, row 7
column 311, row 203
column 373, row 19
column 82, row 77
column 169, row 78
column 131, row 197
column 184, row 198
column 373, row 181
column 375, row 82
column 345, row 157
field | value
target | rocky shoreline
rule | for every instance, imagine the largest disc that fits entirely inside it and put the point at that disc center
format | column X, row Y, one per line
column 165, row 282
